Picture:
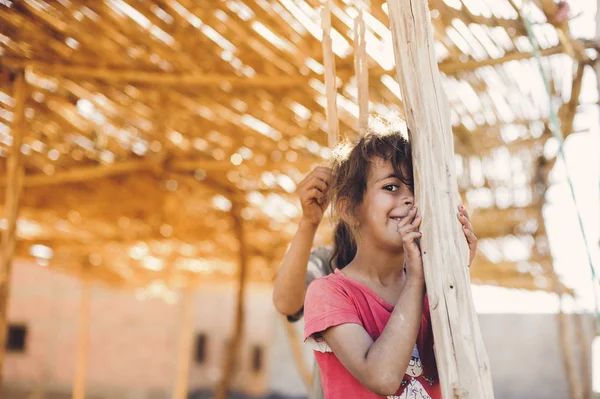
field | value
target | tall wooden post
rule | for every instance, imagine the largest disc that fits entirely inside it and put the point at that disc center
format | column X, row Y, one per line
column 462, row 361
column 361, row 71
column 330, row 78
column 83, row 341
column 14, row 184
column 584, row 341
column 567, row 345
column 597, row 62
column 184, row 350
column 238, row 326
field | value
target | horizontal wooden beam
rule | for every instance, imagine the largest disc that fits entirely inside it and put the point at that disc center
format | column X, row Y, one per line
column 153, row 78
column 84, row 173
column 495, row 222
column 454, row 67
column 156, row 78
column 507, row 274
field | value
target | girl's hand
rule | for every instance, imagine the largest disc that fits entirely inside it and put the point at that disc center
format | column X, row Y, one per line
column 407, row 227
column 313, row 194
column 463, row 218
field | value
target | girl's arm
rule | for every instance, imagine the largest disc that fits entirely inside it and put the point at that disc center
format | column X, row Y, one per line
column 289, row 289
column 380, row 365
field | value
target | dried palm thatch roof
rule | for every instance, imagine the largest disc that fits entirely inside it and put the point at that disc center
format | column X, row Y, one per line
column 148, row 122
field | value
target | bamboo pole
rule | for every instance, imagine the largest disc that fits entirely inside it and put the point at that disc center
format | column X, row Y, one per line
column 330, row 78
column 294, row 341
column 83, row 338
column 462, row 361
column 14, row 185
column 184, row 350
column 233, row 349
column 362, row 72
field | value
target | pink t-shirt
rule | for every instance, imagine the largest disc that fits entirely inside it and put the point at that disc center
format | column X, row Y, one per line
column 336, row 299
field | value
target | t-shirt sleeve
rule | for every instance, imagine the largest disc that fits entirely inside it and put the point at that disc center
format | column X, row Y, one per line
column 327, row 305
column 318, row 266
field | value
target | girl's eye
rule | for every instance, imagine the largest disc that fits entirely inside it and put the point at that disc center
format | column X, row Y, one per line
column 391, row 187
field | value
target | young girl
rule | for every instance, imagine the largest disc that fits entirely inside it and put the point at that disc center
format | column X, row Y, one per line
column 370, row 321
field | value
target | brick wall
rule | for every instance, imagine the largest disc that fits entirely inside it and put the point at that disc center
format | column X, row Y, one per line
column 133, row 343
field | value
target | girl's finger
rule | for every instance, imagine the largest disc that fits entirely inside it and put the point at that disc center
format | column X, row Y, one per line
column 406, row 220
column 464, row 221
column 322, row 169
column 319, row 185
column 411, row 237
column 323, row 175
column 471, row 237
column 414, row 225
column 315, row 194
column 463, row 210
column 416, row 221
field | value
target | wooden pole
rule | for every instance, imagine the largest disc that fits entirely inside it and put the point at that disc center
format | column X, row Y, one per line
column 569, row 110
column 597, row 69
column 330, row 78
column 462, row 361
column 362, row 72
column 567, row 345
column 184, row 351
column 232, row 354
column 83, row 338
column 14, row 184
column 294, row 341
column 584, row 340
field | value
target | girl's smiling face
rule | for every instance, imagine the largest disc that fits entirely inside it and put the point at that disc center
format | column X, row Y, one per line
column 386, row 201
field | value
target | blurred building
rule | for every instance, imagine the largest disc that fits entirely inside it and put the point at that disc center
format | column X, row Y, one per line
column 133, row 344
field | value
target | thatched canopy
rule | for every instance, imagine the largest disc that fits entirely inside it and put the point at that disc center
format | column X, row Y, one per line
column 146, row 122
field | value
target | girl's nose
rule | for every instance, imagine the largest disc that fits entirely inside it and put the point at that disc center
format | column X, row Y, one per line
column 409, row 202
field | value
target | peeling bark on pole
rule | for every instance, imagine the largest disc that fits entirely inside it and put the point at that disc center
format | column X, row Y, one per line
column 231, row 356
column 462, row 361
column 14, row 184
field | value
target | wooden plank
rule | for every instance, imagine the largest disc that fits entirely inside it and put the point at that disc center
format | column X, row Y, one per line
column 86, row 173
column 462, row 361
column 184, row 350
column 222, row 389
column 153, row 77
column 362, row 72
column 330, row 77
column 453, row 67
column 14, row 180
column 83, row 338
